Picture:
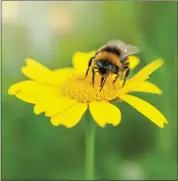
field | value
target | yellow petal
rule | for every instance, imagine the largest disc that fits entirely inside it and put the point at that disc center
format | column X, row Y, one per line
column 142, row 75
column 46, row 98
column 145, row 72
column 37, row 109
column 36, row 71
column 146, row 109
column 134, row 61
column 31, row 91
column 59, row 76
column 40, row 73
column 70, row 116
column 105, row 113
column 146, row 87
column 54, row 105
column 80, row 61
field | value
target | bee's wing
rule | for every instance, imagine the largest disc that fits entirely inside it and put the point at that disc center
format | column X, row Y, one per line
column 117, row 43
column 132, row 50
column 125, row 49
column 114, row 43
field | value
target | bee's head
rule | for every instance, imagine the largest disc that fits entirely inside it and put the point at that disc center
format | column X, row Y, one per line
column 104, row 66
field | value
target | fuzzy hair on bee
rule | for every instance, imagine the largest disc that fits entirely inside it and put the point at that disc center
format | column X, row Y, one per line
column 111, row 58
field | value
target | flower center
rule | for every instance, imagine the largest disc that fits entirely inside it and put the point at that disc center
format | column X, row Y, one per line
column 82, row 90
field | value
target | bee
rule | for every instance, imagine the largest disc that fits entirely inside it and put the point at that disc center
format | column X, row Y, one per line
column 111, row 58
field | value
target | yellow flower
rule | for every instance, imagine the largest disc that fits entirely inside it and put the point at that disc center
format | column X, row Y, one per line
column 64, row 95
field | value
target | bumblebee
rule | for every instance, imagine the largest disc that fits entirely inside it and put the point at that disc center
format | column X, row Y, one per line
column 112, row 58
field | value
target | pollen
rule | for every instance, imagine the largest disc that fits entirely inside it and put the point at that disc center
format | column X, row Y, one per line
column 81, row 89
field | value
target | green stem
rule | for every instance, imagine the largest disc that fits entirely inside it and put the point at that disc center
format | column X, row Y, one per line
column 90, row 143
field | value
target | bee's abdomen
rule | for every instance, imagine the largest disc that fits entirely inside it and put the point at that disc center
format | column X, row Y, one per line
column 113, row 50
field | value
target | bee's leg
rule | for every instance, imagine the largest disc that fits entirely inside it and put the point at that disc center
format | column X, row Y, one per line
column 117, row 76
column 93, row 76
column 125, row 77
column 103, row 80
column 89, row 65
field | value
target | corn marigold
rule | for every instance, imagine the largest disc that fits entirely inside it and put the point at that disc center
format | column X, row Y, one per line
column 64, row 95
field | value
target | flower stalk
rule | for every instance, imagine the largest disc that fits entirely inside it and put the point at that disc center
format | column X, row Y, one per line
column 90, row 147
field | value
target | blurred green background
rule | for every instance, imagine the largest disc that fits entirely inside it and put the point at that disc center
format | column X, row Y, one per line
column 51, row 32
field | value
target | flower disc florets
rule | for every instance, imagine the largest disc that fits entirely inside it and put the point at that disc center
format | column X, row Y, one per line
column 81, row 89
